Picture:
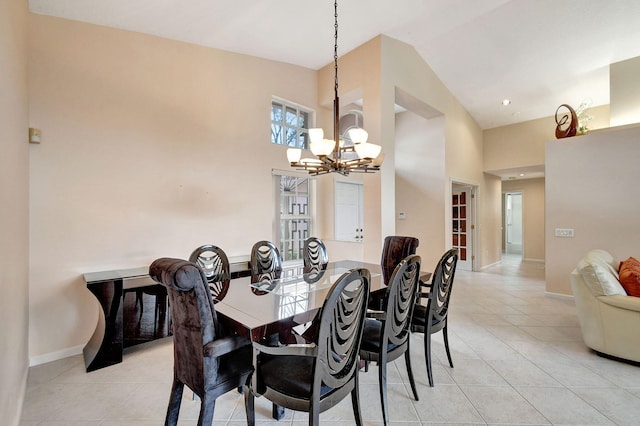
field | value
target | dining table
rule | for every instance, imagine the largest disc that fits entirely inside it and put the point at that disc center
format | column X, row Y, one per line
column 271, row 308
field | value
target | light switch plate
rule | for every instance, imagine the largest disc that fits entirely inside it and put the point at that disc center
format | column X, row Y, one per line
column 564, row 232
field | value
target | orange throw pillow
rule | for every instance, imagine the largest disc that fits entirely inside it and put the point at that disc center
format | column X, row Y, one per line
column 630, row 276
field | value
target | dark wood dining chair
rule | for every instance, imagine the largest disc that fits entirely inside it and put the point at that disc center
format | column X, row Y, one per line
column 433, row 317
column 317, row 376
column 394, row 250
column 314, row 256
column 386, row 332
column 214, row 263
column 204, row 358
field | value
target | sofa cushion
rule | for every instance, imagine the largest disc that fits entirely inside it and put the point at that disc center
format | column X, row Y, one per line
column 599, row 271
column 630, row 276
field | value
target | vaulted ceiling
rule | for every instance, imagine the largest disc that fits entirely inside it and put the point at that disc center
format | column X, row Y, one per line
column 537, row 53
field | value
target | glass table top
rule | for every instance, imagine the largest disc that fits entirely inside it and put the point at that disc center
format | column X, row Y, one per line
column 303, row 283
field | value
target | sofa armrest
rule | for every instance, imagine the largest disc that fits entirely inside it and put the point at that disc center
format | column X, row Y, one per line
column 625, row 302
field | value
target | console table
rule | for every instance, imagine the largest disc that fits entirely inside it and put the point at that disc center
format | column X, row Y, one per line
column 107, row 342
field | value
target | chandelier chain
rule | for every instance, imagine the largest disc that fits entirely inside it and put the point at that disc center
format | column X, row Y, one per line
column 359, row 156
column 335, row 46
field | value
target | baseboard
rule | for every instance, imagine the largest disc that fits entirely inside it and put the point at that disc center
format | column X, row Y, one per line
column 527, row 259
column 559, row 295
column 491, row 264
column 54, row 356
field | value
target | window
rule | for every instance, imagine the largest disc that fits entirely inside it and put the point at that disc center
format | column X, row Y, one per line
column 293, row 216
column 289, row 125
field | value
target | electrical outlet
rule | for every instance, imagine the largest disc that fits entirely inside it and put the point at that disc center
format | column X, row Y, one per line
column 564, row 232
column 402, row 215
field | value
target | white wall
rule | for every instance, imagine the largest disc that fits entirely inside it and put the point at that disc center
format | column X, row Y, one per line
column 591, row 187
column 14, row 209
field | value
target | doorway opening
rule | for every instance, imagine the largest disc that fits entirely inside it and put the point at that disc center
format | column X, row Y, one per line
column 512, row 235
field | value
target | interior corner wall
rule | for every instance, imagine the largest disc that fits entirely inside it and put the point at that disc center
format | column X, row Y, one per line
column 624, row 92
column 14, row 209
column 150, row 148
column 590, row 188
column 532, row 215
column 407, row 71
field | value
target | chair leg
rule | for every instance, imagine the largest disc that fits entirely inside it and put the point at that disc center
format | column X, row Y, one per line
column 407, row 359
column 355, row 401
column 249, row 406
column 277, row 412
column 314, row 413
column 173, row 410
column 207, row 406
column 446, row 344
column 427, row 356
column 382, row 380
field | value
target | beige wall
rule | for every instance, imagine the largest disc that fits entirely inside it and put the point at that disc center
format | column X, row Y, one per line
column 532, row 215
column 373, row 72
column 591, row 186
column 489, row 230
column 421, row 183
column 624, row 92
column 14, row 209
column 523, row 144
column 150, row 148
column 139, row 158
column 359, row 78
column 405, row 70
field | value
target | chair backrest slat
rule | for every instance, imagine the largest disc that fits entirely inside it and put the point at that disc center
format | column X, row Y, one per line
column 341, row 325
column 214, row 263
column 441, row 285
column 400, row 300
column 266, row 262
column 315, row 255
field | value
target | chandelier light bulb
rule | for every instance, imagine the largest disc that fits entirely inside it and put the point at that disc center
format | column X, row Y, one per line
column 293, row 155
column 358, row 135
column 322, row 147
column 367, row 150
column 316, row 135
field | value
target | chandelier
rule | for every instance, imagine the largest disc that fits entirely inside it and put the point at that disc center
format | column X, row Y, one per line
column 335, row 155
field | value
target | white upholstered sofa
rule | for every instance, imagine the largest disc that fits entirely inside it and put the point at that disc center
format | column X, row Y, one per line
column 609, row 319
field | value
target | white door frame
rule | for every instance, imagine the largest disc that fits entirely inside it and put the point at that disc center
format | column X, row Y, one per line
column 471, row 217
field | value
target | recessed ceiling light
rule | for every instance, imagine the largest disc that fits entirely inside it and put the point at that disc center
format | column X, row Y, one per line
column 521, row 174
column 506, row 102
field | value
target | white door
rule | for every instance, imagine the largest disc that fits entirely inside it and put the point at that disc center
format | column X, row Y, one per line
column 348, row 211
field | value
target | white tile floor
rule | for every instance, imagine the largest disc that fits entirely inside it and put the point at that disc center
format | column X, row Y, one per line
column 518, row 356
